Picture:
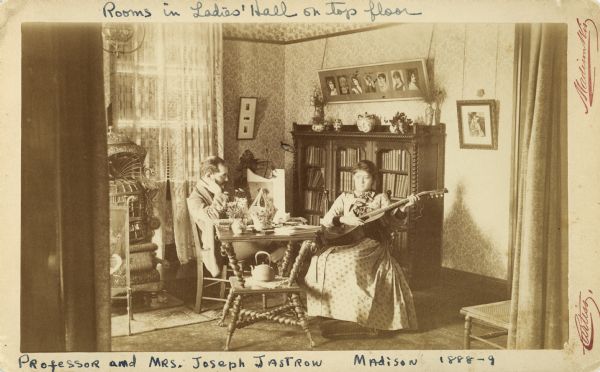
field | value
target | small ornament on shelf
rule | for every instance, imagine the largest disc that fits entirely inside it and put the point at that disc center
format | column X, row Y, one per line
column 318, row 127
column 433, row 98
column 400, row 123
column 337, row 125
column 365, row 123
column 329, row 121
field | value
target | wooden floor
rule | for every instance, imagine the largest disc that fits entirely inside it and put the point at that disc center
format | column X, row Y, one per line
column 440, row 326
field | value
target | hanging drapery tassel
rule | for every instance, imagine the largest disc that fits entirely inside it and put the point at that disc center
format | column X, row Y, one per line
column 168, row 169
column 168, row 192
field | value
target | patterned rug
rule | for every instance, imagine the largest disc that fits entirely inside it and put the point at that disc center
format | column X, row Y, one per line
column 160, row 319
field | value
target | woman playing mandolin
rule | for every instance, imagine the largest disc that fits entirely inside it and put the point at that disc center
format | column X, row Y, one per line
column 360, row 281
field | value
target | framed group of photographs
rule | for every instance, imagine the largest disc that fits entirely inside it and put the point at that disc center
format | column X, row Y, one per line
column 395, row 80
column 247, row 118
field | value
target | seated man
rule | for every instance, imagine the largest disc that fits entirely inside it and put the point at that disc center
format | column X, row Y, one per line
column 206, row 204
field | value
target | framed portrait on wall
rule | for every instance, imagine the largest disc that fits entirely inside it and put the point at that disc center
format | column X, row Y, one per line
column 377, row 82
column 247, row 116
column 477, row 124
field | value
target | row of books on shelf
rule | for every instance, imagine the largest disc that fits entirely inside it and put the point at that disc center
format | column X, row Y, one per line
column 313, row 200
column 315, row 155
column 395, row 160
column 314, row 178
column 314, row 219
column 346, row 181
column 349, row 157
column 398, row 184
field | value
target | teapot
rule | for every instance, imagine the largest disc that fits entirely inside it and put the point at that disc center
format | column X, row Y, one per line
column 262, row 272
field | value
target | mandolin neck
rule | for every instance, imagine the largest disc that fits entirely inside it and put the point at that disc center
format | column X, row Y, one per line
column 398, row 204
column 394, row 205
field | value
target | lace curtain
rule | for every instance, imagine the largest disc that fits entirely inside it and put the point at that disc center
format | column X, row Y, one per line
column 167, row 97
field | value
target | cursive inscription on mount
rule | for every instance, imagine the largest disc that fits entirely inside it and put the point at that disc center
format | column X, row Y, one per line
column 380, row 10
column 201, row 11
column 584, row 320
column 586, row 80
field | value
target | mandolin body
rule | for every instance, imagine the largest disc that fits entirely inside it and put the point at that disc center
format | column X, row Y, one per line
column 344, row 235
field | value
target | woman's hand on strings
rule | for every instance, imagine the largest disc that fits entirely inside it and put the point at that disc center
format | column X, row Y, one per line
column 412, row 200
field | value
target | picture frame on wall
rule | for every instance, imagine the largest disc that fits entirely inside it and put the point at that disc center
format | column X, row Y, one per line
column 247, row 118
column 477, row 124
column 401, row 80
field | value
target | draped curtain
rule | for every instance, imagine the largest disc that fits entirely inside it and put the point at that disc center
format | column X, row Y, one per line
column 539, row 313
column 167, row 97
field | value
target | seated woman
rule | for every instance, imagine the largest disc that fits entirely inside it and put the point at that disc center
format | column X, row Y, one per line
column 361, row 282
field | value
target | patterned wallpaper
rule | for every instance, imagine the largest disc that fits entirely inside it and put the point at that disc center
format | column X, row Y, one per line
column 286, row 32
column 466, row 58
column 253, row 70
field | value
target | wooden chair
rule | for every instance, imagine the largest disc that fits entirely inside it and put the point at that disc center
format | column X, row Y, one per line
column 203, row 283
column 291, row 312
column 496, row 315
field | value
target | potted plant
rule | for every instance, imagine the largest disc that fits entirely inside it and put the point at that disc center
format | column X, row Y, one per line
column 400, row 123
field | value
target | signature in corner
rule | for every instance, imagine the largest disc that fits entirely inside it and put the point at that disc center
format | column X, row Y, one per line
column 584, row 84
column 584, row 320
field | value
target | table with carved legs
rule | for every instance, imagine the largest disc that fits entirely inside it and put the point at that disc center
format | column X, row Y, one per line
column 292, row 312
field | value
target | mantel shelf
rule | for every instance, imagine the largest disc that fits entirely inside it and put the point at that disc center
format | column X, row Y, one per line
column 380, row 131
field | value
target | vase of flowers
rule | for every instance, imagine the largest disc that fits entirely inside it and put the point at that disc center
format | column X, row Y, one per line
column 433, row 98
column 237, row 211
column 316, row 100
column 429, row 112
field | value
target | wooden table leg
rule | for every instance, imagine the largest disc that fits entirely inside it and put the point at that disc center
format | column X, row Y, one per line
column 302, row 317
column 234, row 319
column 234, row 263
column 467, row 332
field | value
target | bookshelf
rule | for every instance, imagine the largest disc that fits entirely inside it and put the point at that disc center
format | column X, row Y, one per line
column 313, row 181
column 407, row 163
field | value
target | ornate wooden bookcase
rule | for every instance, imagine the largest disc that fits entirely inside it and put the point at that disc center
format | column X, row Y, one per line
column 407, row 163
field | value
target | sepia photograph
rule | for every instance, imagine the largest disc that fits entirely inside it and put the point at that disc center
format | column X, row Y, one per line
column 477, row 124
column 241, row 192
column 334, row 278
